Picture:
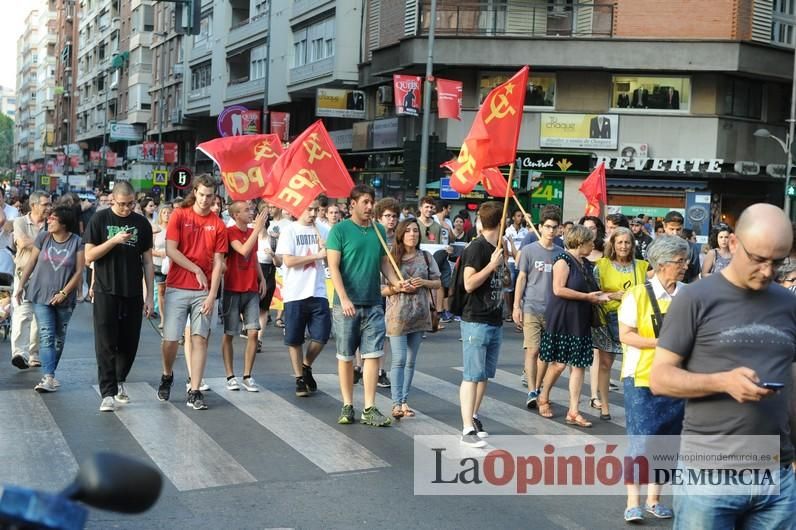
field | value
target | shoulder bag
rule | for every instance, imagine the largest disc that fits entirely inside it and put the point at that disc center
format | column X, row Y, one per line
column 657, row 316
column 432, row 306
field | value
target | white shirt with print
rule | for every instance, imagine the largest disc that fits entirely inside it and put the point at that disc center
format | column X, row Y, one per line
column 304, row 281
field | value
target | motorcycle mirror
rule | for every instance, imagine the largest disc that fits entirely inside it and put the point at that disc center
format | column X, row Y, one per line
column 117, row 483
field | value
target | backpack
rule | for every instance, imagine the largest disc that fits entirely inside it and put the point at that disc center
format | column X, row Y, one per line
column 458, row 296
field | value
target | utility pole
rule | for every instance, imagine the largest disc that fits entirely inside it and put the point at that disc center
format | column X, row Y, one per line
column 423, row 173
column 266, row 113
column 161, row 79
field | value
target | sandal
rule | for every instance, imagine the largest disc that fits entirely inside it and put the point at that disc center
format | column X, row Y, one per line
column 544, row 408
column 605, row 417
column 409, row 413
column 397, row 412
column 280, row 323
column 595, row 403
column 578, row 420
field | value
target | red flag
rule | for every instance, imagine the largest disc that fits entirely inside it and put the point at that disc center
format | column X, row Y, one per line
column 495, row 183
column 449, row 99
column 492, row 140
column 595, row 190
column 407, row 94
column 245, row 162
column 309, row 167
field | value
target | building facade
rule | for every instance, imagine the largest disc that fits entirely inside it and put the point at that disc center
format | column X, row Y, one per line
column 27, row 62
column 8, row 101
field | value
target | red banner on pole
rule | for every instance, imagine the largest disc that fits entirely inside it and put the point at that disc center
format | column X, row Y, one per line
column 245, row 162
column 595, row 190
column 449, row 98
column 280, row 125
column 170, row 152
column 407, row 89
column 110, row 159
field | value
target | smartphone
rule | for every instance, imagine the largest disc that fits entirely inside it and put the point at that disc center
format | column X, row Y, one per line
column 771, row 385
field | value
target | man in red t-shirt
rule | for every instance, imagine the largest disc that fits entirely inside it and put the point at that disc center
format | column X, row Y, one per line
column 244, row 286
column 196, row 241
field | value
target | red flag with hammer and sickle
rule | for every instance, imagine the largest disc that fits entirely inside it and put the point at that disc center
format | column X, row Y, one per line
column 492, row 140
column 309, row 167
column 245, row 162
column 495, row 183
column 595, row 190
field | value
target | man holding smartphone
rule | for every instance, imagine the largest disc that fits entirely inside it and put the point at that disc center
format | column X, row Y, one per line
column 726, row 344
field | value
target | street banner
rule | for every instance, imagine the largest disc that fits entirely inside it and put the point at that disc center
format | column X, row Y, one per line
column 244, row 161
column 309, row 167
column 449, row 99
column 579, row 131
column 280, row 125
column 408, row 92
column 170, row 152
column 149, row 152
column 340, row 103
column 110, row 159
column 595, row 190
column 492, row 140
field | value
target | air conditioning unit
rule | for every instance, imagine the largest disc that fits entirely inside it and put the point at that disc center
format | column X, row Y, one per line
column 176, row 116
column 384, row 94
column 177, row 70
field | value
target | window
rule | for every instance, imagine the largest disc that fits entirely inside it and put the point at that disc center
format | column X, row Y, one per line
column 259, row 55
column 313, row 43
column 783, row 19
column 743, row 98
column 260, row 8
column 540, row 92
column 200, row 76
column 205, row 31
column 653, row 93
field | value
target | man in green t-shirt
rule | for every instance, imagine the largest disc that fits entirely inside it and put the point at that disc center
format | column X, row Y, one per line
column 356, row 259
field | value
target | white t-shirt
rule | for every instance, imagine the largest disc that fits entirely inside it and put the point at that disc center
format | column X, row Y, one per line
column 305, row 281
column 7, row 241
column 516, row 236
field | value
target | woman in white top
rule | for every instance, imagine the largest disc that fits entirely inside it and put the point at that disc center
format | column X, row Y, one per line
column 158, row 253
column 269, row 261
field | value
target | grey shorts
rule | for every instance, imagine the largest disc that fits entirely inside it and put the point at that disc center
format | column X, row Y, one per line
column 365, row 331
column 182, row 304
column 237, row 305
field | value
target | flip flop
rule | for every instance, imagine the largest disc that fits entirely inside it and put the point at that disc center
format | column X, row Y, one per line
column 397, row 412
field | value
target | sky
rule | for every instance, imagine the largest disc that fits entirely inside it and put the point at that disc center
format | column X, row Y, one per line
column 11, row 26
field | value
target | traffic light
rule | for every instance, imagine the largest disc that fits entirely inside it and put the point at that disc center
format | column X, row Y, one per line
column 791, row 190
column 187, row 16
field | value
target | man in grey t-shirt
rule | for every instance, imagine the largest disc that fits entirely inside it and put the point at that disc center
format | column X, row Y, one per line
column 721, row 339
column 533, row 288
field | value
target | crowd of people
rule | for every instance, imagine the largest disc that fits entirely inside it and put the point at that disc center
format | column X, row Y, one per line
column 582, row 294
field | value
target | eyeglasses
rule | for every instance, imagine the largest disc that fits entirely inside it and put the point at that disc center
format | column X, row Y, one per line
column 550, row 227
column 389, row 215
column 793, row 279
column 679, row 262
column 760, row 260
column 120, row 204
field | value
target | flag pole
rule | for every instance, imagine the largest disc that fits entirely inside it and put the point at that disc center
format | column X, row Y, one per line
column 509, row 191
column 387, row 251
column 527, row 215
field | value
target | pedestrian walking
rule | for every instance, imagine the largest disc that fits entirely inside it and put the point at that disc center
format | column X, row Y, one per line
column 55, row 270
column 719, row 255
column 158, row 258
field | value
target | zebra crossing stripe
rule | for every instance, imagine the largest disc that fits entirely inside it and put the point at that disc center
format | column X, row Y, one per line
column 185, row 454
column 515, row 417
column 302, row 431
column 33, row 451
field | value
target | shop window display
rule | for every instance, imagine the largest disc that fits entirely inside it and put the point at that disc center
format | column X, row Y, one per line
column 540, row 91
column 658, row 93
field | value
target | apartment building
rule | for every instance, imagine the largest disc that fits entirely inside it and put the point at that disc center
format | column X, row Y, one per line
column 27, row 61
column 44, row 109
column 676, row 98
column 67, row 15
column 8, row 101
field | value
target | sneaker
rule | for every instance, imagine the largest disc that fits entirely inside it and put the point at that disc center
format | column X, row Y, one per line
column 196, row 400
column 204, row 387
column 445, row 317
column 301, row 387
column 346, row 415
column 20, row 362
column 45, row 385
column 164, row 390
column 250, row 385
column 659, row 510
column 121, row 394
column 306, row 374
column 232, row 384
column 533, row 395
column 471, row 439
column 357, row 374
column 34, row 362
column 56, row 382
column 479, row 427
column 372, row 416
column 634, row 514
column 457, row 318
column 384, row 381
column 107, row 404
column 524, row 378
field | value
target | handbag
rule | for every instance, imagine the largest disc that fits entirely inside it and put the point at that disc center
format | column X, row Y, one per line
column 432, row 306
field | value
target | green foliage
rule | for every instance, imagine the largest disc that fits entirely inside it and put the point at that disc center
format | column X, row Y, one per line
column 6, row 142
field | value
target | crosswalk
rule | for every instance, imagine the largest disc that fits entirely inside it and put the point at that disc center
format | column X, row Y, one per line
column 35, row 452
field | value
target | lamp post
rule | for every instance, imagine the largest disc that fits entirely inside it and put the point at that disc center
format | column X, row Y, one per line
column 422, row 178
column 786, row 147
column 162, row 80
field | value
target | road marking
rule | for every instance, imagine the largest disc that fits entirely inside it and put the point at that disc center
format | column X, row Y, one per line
column 321, row 444
column 518, row 418
column 33, row 451
column 185, row 453
column 557, row 395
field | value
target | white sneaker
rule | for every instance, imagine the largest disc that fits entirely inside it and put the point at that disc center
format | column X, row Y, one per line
column 56, row 382
column 250, row 385
column 45, row 385
column 34, row 362
column 204, row 387
column 107, row 404
column 121, row 394
column 232, row 384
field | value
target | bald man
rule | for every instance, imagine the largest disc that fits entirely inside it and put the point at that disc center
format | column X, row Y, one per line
column 726, row 345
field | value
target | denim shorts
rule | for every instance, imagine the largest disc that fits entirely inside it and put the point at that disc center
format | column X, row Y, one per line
column 180, row 304
column 237, row 305
column 365, row 330
column 311, row 314
column 480, row 350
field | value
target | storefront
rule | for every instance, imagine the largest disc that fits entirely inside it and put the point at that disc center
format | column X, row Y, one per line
column 540, row 177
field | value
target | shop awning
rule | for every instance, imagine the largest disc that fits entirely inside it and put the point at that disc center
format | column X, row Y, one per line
column 435, row 186
column 657, row 184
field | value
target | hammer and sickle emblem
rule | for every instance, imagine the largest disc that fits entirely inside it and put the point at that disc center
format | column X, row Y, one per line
column 467, row 164
column 263, row 150
column 308, row 175
column 314, row 149
column 500, row 107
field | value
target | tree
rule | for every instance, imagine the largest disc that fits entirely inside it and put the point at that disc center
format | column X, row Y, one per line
column 6, row 142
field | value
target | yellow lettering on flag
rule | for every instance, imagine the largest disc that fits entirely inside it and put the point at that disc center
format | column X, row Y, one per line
column 500, row 106
column 467, row 164
column 239, row 182
column 305, row 178
column 263, row 150
column 314, row 149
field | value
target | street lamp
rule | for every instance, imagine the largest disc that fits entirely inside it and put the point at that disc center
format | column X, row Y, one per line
column 786, row 147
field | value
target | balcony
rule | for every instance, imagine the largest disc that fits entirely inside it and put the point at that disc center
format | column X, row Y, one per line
column 245, row 89
column 198, row 100
column 312, row 70
column 248, row 31
column 200, row 51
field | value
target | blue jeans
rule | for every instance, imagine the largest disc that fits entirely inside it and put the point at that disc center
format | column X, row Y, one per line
column 750, row 509
column 480, row 350
column 52, row 320
column 365, row 330
column 404, row 353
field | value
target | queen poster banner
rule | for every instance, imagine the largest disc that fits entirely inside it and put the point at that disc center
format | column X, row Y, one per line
column 407, row 94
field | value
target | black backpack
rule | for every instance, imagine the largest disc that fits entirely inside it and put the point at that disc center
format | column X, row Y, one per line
column 458, row 296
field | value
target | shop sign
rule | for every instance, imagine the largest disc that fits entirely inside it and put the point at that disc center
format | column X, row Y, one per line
column 554, row 162
column 579, row 131
column 673, row 165
column 776, row 170
column 549, row 191
column 340, row 103
column 652, row 211
column 747, row 168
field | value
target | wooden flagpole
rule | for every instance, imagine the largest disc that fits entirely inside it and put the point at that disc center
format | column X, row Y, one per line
column 509, row 191
column 387, row 250
column 525, row 214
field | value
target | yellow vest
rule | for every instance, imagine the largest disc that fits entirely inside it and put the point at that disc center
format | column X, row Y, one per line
column 643, row 363
column 612, row 280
